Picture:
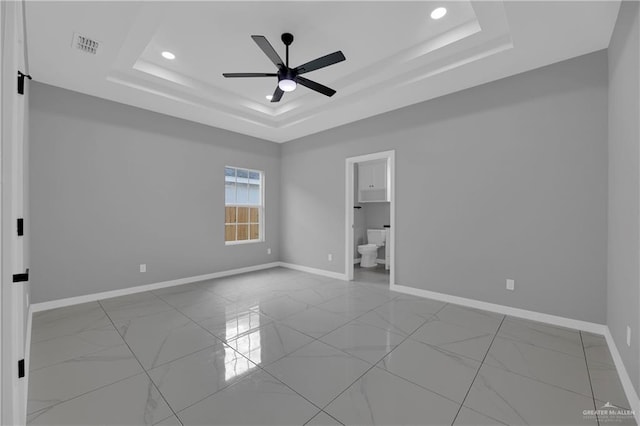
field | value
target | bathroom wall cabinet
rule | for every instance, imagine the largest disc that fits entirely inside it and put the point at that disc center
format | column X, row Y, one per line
column 372, row 181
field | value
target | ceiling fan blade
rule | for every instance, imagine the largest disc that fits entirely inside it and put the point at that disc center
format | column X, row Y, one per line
column 315, row 86
column 277, row 95
column 268, row 49
column 325, row 61
column 249, row 74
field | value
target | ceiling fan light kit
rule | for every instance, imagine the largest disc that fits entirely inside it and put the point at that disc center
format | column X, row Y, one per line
column 289, row 78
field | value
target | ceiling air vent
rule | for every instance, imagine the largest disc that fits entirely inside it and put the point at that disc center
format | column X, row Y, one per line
column 85, row 44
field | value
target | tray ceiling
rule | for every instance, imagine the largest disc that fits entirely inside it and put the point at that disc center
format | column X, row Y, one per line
column 396, row 54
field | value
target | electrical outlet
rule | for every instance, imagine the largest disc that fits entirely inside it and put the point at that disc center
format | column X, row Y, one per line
column 269, row 250
column 330, row 257
column 511, row 284
column 628, row 336
column 143, row 267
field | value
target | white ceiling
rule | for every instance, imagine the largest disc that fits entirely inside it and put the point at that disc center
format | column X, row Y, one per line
column 396, row 55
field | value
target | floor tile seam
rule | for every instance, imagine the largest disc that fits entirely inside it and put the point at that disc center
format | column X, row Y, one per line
column 183, row 356
column 218, row 339
column 538, row 380
column 605, row 364
column 352, row 355
column 141, row 365
column 466, row 327
column 118, row 321
column 258, row 311
column 333, row 417
column 259, row 369
column 313, row 417
column 172, row 308
column 71, row 334
column 276, row 322
column 86, row 392
column 448, row 351
column 371, row 367
column 379, row 367
column 77, row 357
column 538, row 333
column 263, row 365
column 170, row 415
column 384, row 369
column 376, row 366
column 198, row 324
column 528, row 343
column 177, row 308
column 542, row 347
column 259, row 366
column 404, row 337
column 210, row 290
column 373, row 309
column 478, row 370
column 485, row 415
column 129, row 305
column 586, row 363
column 523, row 320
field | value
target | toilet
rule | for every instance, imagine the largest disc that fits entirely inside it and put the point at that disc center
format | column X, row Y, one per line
column 369, row 252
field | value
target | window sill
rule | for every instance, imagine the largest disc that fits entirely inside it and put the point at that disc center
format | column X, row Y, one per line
column 239, row 243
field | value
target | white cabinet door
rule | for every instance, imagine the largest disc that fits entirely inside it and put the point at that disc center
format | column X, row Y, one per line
column 365, row 176
column 379, row 175
column 372, row 181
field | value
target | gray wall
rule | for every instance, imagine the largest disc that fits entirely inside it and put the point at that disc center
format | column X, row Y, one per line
column 504, row 180
column 623, row 289
column 113, row 186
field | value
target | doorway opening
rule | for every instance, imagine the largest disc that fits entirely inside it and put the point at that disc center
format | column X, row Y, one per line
column 370, row 218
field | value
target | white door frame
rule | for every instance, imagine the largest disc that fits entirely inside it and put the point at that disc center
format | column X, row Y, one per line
column 348, row 211
column 13, row 296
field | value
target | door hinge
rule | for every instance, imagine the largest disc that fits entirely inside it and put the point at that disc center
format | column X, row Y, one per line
column 21, row 77
column 21, row 368
column 18, row 278
column 20, row 227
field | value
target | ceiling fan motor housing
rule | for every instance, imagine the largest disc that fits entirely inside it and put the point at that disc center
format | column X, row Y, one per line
column 287, row 38
column 286, row 74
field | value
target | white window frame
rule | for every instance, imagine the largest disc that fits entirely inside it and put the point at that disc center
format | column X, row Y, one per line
column 261, row 209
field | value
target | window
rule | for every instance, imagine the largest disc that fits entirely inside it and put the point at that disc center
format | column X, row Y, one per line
column 244, row 205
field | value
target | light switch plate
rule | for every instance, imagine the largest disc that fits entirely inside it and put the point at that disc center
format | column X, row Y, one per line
column 143, row 267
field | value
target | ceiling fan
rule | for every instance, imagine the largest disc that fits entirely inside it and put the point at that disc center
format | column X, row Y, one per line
column 289, row 78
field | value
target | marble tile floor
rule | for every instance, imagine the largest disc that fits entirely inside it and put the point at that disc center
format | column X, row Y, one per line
column 282, row 347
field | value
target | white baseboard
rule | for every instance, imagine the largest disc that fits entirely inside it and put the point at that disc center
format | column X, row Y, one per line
column 323, row 272
column 629, row 390
column 59, row 303
column 591, row 327
column 27, row 360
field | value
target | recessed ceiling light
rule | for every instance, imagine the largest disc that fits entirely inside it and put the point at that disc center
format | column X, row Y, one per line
column 438, row 12
column 168, row 55
column 269, row 97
